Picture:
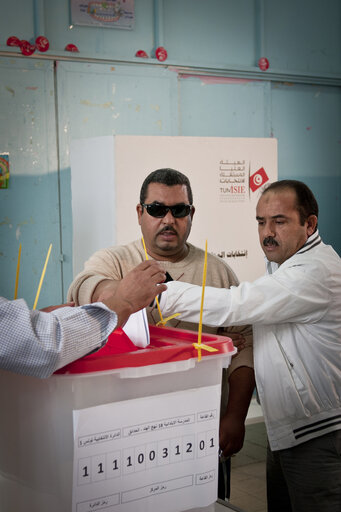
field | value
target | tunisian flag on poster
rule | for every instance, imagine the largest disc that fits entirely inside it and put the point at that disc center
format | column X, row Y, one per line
column 258, row 179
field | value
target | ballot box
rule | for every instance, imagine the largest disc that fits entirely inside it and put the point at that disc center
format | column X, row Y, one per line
column 123, row 429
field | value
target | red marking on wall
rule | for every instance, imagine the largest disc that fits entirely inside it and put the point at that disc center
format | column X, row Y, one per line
column 216, row 79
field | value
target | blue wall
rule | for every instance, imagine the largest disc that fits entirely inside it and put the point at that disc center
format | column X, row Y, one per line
column 210, row 85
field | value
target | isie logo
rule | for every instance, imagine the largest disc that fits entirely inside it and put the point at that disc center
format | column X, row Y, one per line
column 258, row 179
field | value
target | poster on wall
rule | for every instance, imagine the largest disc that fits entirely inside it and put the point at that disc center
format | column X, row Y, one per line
column 227, row 176
column 4, row 170
column 109, row 14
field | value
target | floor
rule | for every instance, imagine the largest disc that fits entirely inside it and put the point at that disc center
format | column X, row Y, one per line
column 248, row 487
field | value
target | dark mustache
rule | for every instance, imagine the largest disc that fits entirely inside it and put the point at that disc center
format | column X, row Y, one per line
column 269, row 240
column 167, row 228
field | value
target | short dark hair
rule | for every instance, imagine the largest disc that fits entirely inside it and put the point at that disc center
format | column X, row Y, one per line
column 169, row 177
column 306, row 203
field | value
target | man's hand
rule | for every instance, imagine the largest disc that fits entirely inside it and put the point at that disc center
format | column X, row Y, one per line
column 231, row 434
column 135, row 291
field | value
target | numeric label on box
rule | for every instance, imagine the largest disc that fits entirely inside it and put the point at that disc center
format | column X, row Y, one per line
column 144, row 449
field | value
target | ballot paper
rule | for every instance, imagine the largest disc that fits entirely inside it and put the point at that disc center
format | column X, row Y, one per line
column 137, row 329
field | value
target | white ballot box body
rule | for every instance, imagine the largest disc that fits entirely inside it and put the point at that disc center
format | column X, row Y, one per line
column 124, row 429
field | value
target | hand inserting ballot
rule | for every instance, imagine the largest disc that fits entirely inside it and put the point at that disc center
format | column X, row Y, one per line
column 134, row 292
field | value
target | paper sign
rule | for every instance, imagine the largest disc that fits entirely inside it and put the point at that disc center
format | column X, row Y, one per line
column 110, row 14
column 154, row 453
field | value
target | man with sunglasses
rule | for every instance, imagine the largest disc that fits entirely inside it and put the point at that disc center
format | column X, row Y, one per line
column 165, row 214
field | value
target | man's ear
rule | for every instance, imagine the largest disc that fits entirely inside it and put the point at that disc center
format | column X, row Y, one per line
column 139, row 210
column 192, row 212
column 311, row 224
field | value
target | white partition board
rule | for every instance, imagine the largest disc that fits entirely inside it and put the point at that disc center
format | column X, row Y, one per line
column 226, row 174
column 93, row 197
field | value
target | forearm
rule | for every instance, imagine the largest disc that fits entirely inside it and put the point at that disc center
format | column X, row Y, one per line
column 185, row 299
column 244, row 357
column 122, row 307
column 36, row 343
column 286, row 296
column 101, row 266
column 241, row 387
column 105, row 289
column 82, row 330
column 83, row 287
column 232, row 422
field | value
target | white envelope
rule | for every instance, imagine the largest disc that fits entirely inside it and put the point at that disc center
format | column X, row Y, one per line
column 137, row 328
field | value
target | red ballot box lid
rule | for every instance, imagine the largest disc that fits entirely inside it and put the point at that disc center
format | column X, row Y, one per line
column 166, row 345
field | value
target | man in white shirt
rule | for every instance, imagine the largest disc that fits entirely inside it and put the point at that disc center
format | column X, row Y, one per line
column 295, row 311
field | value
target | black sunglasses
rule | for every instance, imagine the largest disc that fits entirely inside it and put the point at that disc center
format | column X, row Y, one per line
column 160, row 210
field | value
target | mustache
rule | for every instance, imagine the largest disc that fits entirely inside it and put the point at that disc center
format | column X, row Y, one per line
column 167, row 228
column 269, row 240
